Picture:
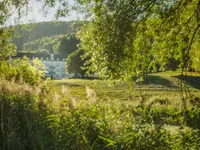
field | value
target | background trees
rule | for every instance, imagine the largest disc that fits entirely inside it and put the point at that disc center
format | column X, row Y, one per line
column 68, row 44
column 75, row 63
column 128, row 38
column 40, row 35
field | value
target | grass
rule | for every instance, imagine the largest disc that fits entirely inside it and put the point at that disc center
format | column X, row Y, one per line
column 97, row 114
column 162, row 85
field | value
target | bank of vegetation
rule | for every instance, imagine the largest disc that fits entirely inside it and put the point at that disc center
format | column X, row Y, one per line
column 124, row 42
column 76, row 114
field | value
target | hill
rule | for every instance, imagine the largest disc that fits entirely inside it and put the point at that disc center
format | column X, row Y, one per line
column 45, row 35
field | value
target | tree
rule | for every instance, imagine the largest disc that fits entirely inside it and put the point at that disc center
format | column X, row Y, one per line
column 68, row 45
column 125, row 38
column 6, row 47
column 113, row 40
column 75, row 63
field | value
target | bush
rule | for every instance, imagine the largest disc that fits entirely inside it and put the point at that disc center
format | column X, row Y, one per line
column 21, row 71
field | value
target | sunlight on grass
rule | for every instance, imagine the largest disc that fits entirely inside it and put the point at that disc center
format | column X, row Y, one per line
column 163, row 86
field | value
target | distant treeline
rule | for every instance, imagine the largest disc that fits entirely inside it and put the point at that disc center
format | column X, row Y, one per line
column 42, row 37
column 43, row 44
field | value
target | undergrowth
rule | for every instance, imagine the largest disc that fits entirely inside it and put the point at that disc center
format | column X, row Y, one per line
column 32, row 117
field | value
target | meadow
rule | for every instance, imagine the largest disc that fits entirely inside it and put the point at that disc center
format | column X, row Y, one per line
column 97, row 114
column 164, row 86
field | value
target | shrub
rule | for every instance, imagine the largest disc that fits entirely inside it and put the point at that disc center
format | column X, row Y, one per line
column 21, row 71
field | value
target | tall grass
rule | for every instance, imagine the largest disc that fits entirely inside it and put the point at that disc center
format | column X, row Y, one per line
column 22, row 117
column 32, row 117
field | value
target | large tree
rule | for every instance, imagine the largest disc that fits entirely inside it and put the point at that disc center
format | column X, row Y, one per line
column 126, row 38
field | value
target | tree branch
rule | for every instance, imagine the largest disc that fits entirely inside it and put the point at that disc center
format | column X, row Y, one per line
column 193, row 36
column 190, row 44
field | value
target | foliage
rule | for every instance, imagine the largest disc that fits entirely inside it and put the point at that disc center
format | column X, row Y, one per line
column 7, row 48
column 44, row 43
column 22, row 117
column 75, row 63
column 22, row 71
column 7, row 7
column 132, row 37
column 124, row 38
column 42, row 35
column 33, row 119
column 60, row 43
column 68, row 44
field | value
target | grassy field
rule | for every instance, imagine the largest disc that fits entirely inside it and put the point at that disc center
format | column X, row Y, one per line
column 97, row 114
column 163, row 86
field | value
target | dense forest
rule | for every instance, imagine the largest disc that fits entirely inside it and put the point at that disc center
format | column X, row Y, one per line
column 44, row 36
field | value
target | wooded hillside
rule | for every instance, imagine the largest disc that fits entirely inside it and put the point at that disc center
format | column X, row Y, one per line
column 44, row 36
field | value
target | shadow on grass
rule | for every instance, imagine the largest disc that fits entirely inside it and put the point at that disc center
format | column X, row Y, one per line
column 157, row 80
column 86, row 78
column 68, row 84
column 193, row 81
